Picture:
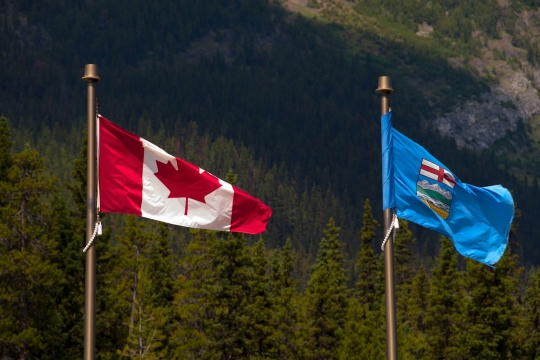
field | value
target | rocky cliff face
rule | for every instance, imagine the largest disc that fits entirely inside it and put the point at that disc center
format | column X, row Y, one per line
column 477, row 124
column 508, row 63
column 515, row 97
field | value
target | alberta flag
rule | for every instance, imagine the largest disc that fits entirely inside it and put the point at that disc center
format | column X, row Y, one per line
column 137, row 177
column 426, row 192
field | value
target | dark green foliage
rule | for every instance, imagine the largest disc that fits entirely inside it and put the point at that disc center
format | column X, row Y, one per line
column 6, row 159
column 161, row 267
column 122, row 285
column 327, row 297
column 30, row 276
column 226, row 300
column 161, row 276
column 493, row 310
column 403, row 255
column 260, row 304
column 287, row 322
column 240, row 311
column 70, row 261
column 191, row 301
column 363, row 336
column 139, row 312
column 451, row 19
column 532, row 299
column 366, row 262
column 445, row 305
column 414, row 329
column 229, row 301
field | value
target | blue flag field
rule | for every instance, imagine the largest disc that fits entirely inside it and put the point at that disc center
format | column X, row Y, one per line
column 426, row 192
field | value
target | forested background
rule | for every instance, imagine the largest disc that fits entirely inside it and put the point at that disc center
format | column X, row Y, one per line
column 284, row 106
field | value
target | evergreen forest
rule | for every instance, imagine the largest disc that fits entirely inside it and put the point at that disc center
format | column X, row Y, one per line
column 282, row 104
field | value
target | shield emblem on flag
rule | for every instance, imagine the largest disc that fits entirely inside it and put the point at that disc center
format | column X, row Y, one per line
column 435, row 187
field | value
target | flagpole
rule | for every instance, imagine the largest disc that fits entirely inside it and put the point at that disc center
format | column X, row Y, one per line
column 91, row 76
column 385, row 89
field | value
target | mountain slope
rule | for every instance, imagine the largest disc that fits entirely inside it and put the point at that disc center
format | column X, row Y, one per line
column 297, row 89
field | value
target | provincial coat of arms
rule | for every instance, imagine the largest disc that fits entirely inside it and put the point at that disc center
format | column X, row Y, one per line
column 435, row 187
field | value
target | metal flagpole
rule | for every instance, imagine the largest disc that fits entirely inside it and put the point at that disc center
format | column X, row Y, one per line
column 385, row 89
column 90, row 75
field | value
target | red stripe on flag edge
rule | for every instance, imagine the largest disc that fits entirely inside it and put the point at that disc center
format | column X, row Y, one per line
column 249, row 214
column 121, row 160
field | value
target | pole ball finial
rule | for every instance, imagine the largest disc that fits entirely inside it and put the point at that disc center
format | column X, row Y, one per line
column 91, row 73
column 385, row 86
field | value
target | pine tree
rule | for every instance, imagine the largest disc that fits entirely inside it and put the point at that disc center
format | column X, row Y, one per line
column 70, row 263
column 415, row 343
column 29, row 276
column 161, row 267
column 380, row 288
column 225, row 291
column 532, row 299
column 495, row 327
column 160, row 277
column 445, row 304
column 403, row 260
column 145, row 338
column 131, row 289
column 327, row 297
column 492, row 312
column 6, row 158
column 404, row 272
column 363, row 332
column 366, row 263
column 259, row 305
column 228, row 291
column 287, row 320
column 189, row 339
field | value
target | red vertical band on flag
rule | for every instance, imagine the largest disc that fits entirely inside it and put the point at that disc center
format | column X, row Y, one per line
column 441, row 174
column 249, row 214
column 121, row 158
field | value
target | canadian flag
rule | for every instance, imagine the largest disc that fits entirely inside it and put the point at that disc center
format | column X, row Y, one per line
column 137, row 177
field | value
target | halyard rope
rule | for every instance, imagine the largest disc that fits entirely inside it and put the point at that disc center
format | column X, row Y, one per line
column 392, row 225
column 98, row 225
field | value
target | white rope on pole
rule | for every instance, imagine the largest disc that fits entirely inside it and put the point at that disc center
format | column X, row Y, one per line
column 394, row 224
column 97, row 231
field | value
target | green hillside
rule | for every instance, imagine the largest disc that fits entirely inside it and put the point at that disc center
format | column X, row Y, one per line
column 295, row 90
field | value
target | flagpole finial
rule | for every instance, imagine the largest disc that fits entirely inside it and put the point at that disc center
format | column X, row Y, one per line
column 385, row 85
column 91, row 73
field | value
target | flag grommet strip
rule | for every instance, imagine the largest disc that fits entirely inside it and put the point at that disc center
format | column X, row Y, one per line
column 390, row 230
column 97, row 227
column 97, row 163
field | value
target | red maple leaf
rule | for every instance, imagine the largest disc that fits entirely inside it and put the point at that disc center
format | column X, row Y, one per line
column 186, row 182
